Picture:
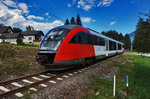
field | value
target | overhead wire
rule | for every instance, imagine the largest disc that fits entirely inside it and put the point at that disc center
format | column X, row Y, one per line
column 44, row 10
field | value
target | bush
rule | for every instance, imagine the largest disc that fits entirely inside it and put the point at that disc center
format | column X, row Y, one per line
column 19, row 41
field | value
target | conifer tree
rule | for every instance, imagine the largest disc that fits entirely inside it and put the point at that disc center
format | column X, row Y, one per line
column 120, row 38
column 78, row 20
column 141, row 41
column 66, row 22
column 127, row 41
column 73, row 20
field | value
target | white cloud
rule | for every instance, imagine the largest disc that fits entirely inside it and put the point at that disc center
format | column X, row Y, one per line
column 105, row 3
column 23, row 7
column 41, row 25
column 9, row 3
column 85, row 4
column 14, row 17
column 87, row 19
column 47, row 14
column 112, row 23
column 89, row 4
column 34, row 17
column 69, row 5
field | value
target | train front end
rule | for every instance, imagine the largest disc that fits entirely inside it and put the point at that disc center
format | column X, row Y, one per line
column 49, row 45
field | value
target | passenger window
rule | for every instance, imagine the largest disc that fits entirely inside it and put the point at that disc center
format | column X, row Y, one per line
column 84, row 38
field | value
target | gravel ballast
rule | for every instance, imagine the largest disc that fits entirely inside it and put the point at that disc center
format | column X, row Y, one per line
column 71, row 87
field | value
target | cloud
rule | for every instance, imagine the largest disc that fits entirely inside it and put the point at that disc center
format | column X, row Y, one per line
column 47, row 14
column 89, row 4
column 69, row 5
column 14, row 17
column 85, row 4
column 132, row 2
column 105, row 3
column 34, row 17
column 41, row 25
column 9, row 3
column 23, row 7
column 112, row 23
column 87, row 19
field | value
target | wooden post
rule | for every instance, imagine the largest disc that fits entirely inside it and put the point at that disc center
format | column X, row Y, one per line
column 114, row 88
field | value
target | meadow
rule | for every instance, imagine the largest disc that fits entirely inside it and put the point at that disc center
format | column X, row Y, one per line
column 138, row 70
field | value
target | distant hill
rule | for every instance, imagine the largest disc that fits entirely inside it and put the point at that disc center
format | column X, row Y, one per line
column 132, row 36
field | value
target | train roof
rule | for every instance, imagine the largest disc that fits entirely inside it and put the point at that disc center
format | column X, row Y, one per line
column 69, row 26
column 99, row 34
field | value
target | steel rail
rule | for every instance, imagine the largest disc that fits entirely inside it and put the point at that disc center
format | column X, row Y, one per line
column 20, row 78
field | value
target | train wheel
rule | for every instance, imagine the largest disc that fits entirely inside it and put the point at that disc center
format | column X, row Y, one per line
column 89, row 61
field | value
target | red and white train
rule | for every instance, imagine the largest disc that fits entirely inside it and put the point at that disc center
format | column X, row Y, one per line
column 68, row 46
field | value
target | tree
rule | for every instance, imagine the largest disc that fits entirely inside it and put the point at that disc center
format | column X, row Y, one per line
column 3, row 38
column 73, row 20
column 141, row 42
column 66, row 22
column 29, row 28
column 127, row 41
column 19, row 41
column 112, row 34
column 78, row 20
column 17, row 30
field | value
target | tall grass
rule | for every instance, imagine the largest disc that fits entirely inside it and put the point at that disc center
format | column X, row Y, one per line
column 140, row 77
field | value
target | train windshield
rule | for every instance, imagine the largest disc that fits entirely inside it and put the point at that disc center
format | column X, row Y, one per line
column 56, row 34
column 53, row 38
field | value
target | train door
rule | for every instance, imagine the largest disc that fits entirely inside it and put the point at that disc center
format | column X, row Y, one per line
column 107, row 46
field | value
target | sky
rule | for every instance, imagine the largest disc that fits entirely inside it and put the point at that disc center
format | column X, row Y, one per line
column 99, row 15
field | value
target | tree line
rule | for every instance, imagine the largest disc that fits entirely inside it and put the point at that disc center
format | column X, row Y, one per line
column 119, row 37
column 141, row 42
column 73, row 21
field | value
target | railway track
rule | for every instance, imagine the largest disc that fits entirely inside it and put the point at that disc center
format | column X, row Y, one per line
column 18, row 86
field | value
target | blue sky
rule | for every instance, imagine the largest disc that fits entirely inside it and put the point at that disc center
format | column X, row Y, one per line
column 100, row 15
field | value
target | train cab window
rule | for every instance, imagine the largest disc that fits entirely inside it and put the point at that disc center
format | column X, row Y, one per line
column 56, row 34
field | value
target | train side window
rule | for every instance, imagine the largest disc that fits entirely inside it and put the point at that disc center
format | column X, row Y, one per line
column 84, row 38
column 101, row 41
column 114, row 45
column 89, row 37
column 79, row 39
column 74, row 39
column 95, row 38
column 119, row 46
column 110, row 45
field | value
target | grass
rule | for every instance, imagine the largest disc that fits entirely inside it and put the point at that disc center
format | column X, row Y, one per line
column 24, row 46
column 17, row 61
column 137, row 69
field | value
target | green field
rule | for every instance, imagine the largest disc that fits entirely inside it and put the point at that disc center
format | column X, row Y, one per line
column 137, row 68
column 16, row 61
